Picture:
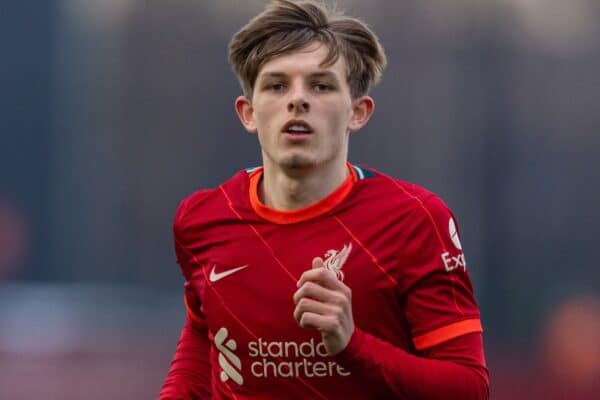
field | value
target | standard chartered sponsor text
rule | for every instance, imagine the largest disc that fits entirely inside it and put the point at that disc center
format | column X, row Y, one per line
column 291, row 359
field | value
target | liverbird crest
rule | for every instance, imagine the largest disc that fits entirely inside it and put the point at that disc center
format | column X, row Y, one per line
column 335, row 260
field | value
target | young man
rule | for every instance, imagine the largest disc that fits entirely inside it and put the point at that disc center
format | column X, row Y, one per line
column 309, row 277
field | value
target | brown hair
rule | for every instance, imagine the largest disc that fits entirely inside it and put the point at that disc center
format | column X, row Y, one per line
column 286, row 26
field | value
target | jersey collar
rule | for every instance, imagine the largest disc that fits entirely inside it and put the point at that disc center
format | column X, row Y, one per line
column 290, row 217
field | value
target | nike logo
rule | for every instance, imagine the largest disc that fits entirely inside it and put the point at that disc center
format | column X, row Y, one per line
column 217, row 276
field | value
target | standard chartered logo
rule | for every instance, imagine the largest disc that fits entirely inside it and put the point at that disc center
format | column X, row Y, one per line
column 291, row 359
column 227, row 358
column 276, row 359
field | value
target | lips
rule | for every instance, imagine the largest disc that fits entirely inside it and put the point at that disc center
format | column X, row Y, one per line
column 297, row 127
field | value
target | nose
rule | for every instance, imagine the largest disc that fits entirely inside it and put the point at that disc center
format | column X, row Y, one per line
column 298, row 106
column 298, row 102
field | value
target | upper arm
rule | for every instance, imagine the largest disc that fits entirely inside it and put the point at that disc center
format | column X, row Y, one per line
column 439, row 300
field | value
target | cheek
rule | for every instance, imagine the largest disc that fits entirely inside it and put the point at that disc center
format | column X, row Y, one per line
column 263, row 112
column 339, row 119
column 259, row 117
column 264, row 124
column 338, row 110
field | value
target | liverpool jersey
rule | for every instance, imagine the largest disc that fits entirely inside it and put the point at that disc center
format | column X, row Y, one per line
column 394, row 244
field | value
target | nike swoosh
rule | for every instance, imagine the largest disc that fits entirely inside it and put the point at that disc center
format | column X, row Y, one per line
column 214, row 276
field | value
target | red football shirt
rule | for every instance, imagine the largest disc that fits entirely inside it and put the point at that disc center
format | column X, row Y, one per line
column 394, row 244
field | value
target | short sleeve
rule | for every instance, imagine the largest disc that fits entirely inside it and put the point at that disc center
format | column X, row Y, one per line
column 439, row 299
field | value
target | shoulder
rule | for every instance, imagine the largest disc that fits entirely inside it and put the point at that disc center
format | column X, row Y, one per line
column 422, row 218
column 416, row 198
column 203, row 200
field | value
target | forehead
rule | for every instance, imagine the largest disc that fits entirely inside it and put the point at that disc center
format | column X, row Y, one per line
column 305, row 61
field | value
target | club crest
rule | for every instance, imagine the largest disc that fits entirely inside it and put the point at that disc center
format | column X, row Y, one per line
column 335, row 259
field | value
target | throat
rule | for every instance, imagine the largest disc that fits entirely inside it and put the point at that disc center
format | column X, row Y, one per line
column 289, row 193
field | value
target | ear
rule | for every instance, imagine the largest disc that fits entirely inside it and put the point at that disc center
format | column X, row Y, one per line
column 361, row 112
column 245, row 112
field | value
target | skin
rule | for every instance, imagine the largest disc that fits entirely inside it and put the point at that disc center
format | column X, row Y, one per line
column 299, row 171
column 323, row 302
column 296, row 87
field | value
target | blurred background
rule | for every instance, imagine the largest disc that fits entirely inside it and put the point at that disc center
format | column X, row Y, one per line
column 113, row 110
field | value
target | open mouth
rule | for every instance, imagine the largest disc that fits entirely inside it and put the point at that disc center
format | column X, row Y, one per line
column 297, row 128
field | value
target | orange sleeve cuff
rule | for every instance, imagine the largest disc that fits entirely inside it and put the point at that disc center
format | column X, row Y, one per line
column 193, row 316
column 447, row 332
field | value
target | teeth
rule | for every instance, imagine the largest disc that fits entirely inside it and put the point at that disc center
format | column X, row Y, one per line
column 297, row 128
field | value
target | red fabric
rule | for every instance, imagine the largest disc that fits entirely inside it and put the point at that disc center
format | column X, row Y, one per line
column 453, row 370
column 190, row 373
column 397, row 248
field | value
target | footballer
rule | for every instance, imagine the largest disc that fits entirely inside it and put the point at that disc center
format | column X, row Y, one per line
column 310, row 277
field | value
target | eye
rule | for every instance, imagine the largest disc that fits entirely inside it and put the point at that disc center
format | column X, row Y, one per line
column 275, row 87
column 322, row 87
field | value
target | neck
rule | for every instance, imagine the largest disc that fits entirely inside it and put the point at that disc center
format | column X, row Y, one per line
column 292, row 190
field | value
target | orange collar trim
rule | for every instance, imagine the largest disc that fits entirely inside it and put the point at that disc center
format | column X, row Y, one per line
column 302, row 214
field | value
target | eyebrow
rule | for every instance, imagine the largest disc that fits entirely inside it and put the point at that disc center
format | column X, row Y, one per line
column 320, row 74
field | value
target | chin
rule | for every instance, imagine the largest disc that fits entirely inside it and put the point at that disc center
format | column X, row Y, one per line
column 297, row 162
